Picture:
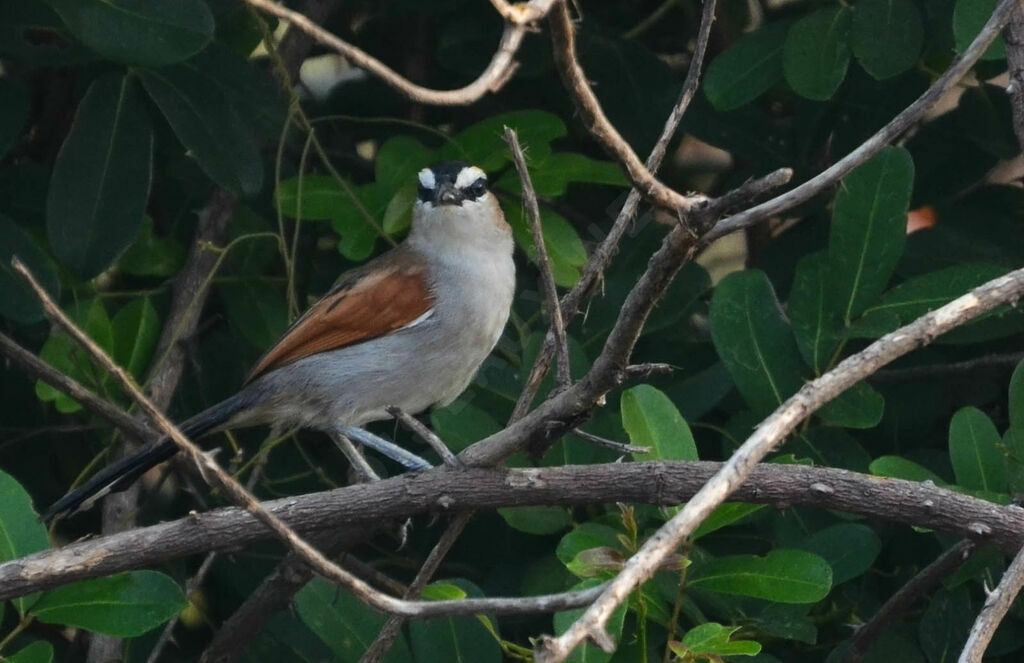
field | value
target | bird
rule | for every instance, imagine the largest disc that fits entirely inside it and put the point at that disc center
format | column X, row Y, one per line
column 408, row 329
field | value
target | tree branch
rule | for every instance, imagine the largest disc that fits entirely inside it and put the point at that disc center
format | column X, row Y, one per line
column 770, row 433
column 997, row 604
column 347, row 512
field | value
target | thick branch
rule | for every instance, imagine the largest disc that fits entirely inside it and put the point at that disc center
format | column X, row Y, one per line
column 448, row 490
column 770, row 433
column 1013, row 36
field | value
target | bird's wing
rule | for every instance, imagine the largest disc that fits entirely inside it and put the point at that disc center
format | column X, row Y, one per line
column 374, row 300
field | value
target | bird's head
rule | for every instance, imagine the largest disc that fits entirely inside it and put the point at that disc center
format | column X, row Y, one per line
column 452, row 183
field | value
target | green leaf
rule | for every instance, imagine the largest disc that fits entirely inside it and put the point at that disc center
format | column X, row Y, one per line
column 139, row 31
column 452, row 638
column 552, row 176
column 588, row 652
column 256, row 310
column 1016, row 397
column 585, row 537
column 539, row 520
column 21, row 533
column 482, row 143
column 398, row 213
column 343, row 622
column 816, row 53
column 14, row 109
column 974, row 443
column 207, row 124
column 461, row 424
column 398, row 161
column 17, row 299
column 860, row 406
column 151, row 255
column 898, row 467
column 783, row 576
column 63, row 354
column 919, row 295
column 945, row 624
column 868, row 230
column 725, row 515
column 101, row 179
column 136, row 329
column 595, row 561
column 887, row 36
column 312, row 197
column 754, row 340
column 653, row 421
column 969, row 16
column 125, row 605
column 714, row 639
column 37, row 652
column 816, row 325
column 565, row 248
column 849, row 548
column 747, row 69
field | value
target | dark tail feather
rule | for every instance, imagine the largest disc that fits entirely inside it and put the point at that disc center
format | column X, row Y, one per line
column 118, row 476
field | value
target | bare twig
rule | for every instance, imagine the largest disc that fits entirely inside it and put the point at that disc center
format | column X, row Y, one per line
column 380, row 646
column 355, row 457
column 909, row 117
column 425, row 434
column 563, row 374
column 38, row 369
column 348, row 514
column 563, row 41
column 997, row 604
column 496, row 74
column 770, row 433
column 609, row 444
column 593, row 271
column 922, row 583
column 957, row 368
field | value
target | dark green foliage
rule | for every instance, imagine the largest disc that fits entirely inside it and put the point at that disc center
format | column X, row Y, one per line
column 120, row 118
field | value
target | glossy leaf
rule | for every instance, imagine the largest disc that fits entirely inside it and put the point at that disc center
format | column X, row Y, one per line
column 1016, row 397
column 460, row 424
column 945, row 624
column 968, row 18
column 817, row 52
column 725, row 515
column 538, row 520
column 208, row 126
column 974, row 451
column 868, row 230
column 138, row 31
column 398, row 161
column 482, row 143
column 887, row 36
column 565, row 248
column 783, row 576
column 125, row 605
column 653, row 421
column 344, row 623
column 588, row 652
column 849, row 548
column 21, row 533
column 860, row 406
column 816, row 324
column 37, row 652
column 898, row 467
column 14, row 109
column 453, row 638
column 63, row 354
column 586, row 536
column 754, row 340
column 312, row 197
column 552, row 176
column 747, row 69
column 100, row 182
column 716, row 640
column 136, row 329
column 18, row 302
column 151, row 255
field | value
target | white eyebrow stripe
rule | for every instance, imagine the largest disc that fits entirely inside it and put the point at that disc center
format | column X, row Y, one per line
column 468, row 175
column 427, row 179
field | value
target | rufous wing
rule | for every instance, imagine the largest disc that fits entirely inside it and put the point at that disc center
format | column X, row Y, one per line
column 378, row 300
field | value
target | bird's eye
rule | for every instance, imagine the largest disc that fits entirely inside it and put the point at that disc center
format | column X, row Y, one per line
column 478, row 188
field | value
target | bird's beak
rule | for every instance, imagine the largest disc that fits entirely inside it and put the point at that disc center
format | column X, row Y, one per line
column 448, row 194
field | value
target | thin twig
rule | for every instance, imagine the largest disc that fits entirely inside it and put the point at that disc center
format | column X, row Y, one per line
column 563, row 374
column 958, row 369
column 997, row 604
column 593, row 271
column 922, row 583
column 379, row 648
column 884, row 136
column 496, row 74
column 425, row 434
column 619, row 447
column 355, row 458
column 770, row 433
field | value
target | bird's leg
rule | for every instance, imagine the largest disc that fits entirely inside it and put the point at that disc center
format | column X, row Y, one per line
column 396, row 453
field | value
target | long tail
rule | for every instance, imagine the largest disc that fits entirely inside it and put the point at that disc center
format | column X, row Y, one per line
column 118, row 476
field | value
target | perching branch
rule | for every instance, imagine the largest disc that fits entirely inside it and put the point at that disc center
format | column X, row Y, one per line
column 497, row 73
column 348, row 513
column 771, row 432
column 997, row 604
